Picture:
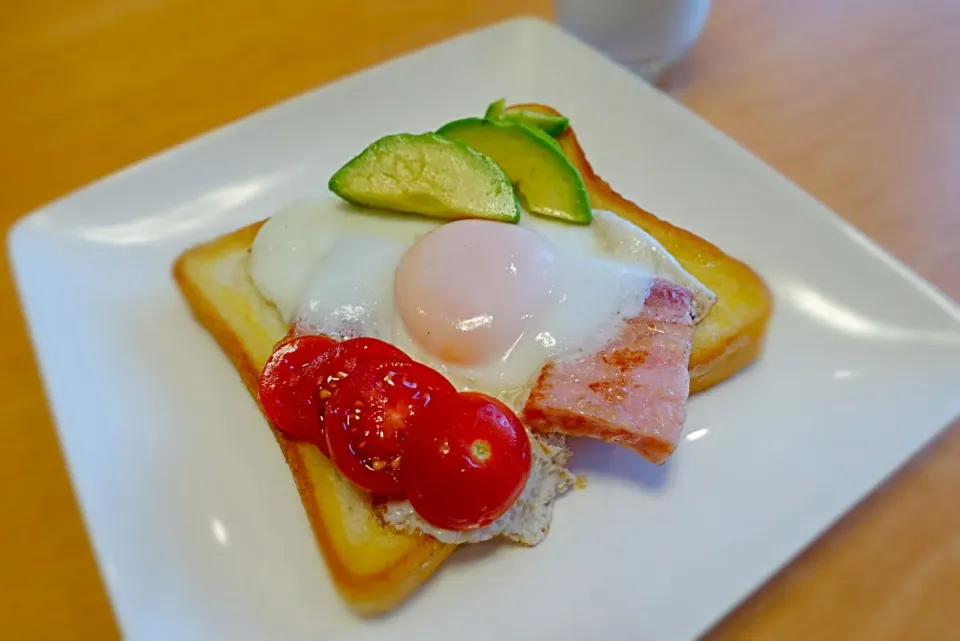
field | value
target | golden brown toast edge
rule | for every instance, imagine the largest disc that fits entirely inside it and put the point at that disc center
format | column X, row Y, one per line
column 728, row 339
column 399, row 568
column 732, row 334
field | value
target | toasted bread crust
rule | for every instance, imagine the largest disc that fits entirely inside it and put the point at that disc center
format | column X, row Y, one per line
column 381, row 570
column 731, row 336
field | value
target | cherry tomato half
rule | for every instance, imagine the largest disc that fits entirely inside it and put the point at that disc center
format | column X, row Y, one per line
column 465, row 461
column 367, row 417
column 343, row 360
column 288, row 387
column 304, row 371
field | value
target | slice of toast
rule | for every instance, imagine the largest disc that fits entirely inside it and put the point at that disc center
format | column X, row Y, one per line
column 373, row 568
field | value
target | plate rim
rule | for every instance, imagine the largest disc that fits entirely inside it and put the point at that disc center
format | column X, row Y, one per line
column 22, row 227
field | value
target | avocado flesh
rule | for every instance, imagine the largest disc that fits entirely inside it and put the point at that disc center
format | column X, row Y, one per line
column 430, row 175
column 545, row 180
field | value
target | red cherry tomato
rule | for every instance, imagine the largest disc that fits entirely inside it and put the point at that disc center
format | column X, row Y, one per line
column 288, row 387
column 366, row 419
column 465, row 461
column 346, row 358
column 304, row 371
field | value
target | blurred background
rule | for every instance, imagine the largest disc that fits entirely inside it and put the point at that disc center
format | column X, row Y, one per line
column 855, row 100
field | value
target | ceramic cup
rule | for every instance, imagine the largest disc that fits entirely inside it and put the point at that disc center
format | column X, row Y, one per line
column 645, row 35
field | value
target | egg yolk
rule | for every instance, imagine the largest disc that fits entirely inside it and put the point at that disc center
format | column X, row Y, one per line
column 468, row 290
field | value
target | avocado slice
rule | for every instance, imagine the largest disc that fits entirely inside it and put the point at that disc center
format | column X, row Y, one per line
column 495, row 109
column 546, row 182
column 547, row 123
column 430, row 175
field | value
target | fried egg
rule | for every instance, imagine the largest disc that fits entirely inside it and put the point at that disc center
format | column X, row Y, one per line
column 485, row 303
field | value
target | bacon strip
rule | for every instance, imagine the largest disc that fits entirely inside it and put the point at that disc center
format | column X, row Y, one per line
column 634, row 390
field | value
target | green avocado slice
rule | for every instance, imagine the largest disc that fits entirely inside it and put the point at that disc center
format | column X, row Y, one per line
column 430, row 175
column 495, row 109
column 547, row 123
column 545, row 180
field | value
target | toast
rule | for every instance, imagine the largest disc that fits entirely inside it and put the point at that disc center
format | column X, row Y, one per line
column 373, row 568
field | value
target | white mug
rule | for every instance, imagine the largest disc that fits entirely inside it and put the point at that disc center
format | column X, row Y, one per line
column 644, row 35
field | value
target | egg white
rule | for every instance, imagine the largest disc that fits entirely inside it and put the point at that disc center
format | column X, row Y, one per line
column 329, row 267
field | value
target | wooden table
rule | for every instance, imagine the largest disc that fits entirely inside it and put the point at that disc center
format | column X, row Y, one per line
column 855, row 100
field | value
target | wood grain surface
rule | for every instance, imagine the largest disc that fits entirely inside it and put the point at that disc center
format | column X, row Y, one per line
column 858, row 101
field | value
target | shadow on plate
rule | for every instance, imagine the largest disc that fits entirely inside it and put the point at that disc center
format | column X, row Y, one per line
column 464, row 555
column 594, row 458
column 476, row 553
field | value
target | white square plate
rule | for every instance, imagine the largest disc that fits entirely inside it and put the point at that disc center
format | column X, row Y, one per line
column 193, row 514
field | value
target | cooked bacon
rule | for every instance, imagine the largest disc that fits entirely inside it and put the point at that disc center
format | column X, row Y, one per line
column 634, row 390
